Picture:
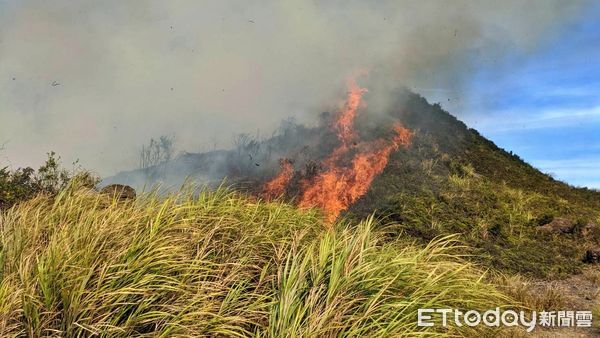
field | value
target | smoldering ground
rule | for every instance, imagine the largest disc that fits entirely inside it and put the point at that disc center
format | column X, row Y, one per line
column 96, row 80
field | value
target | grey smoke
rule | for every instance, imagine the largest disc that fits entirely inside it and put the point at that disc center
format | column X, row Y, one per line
column 205, row 70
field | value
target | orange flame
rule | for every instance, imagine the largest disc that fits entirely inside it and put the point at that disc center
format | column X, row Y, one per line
column 276, row 187
column 344, row 123
column 339, row 187
column 342, row 184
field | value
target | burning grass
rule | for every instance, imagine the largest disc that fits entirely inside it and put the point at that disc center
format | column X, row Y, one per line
column 217, row 264
column 348, row 170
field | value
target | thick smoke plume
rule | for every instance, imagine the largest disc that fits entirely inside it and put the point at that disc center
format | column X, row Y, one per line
column 95, row 80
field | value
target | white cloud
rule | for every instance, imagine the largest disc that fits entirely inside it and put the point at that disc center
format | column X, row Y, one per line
column 579, row 171
column 510, row 120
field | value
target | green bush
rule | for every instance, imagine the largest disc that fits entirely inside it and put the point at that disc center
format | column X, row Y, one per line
column 25, row 183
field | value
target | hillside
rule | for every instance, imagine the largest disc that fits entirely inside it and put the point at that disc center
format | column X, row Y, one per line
column 453, row 180
column 449, row 180
column 345, row 228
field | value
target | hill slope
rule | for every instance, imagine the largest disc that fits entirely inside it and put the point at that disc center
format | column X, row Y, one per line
column 453, row 180
column 450, row 180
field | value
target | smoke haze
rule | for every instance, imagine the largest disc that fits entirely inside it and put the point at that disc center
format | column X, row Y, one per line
column 95, row 80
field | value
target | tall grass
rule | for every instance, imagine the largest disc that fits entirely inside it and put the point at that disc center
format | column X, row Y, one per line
column 217, row 264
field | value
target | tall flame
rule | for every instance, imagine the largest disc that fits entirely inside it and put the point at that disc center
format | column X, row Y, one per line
column 343, row 181
column 339, row 186
column 344, row 122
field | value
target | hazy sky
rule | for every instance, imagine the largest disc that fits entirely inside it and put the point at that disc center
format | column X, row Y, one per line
column 95, row 80
column 546, row 106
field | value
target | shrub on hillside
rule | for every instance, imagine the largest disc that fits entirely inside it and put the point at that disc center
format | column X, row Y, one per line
column 25, row 183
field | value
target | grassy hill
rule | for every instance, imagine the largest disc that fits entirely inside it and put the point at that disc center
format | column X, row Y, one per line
column 453, row 180
column 74, row 262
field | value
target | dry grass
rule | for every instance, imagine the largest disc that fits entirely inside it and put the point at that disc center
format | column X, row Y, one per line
column 539, row 296
column 593, row 276
column 217, row 264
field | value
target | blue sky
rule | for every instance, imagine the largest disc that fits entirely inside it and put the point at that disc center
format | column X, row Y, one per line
column 545, row 105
